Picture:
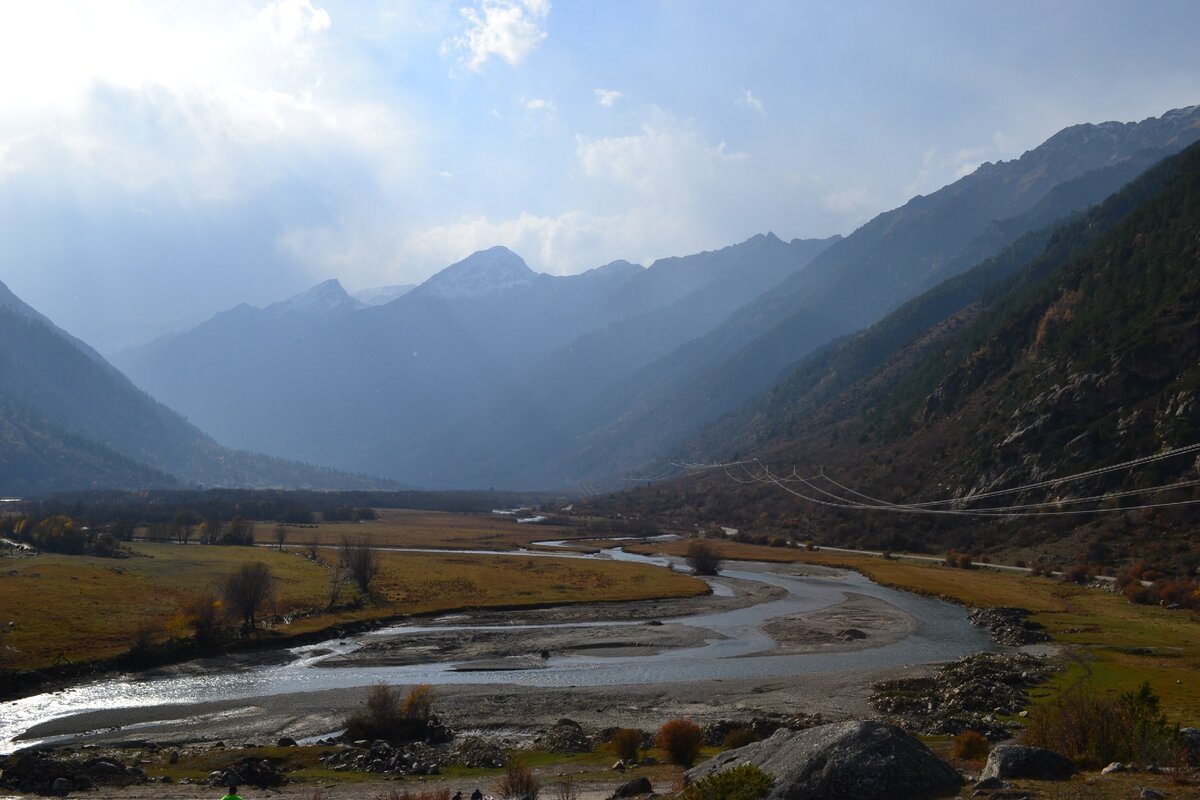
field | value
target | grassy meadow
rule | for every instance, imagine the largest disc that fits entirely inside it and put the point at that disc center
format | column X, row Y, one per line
column 1114, row 644
column 409, row 528
column 76, row 609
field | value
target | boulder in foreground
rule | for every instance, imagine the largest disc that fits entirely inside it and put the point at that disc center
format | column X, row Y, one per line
column 1019, row 761
column 843, row 761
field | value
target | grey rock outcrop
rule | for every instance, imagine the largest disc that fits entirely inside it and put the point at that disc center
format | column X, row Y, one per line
column 850, row 760
column 1018, row 761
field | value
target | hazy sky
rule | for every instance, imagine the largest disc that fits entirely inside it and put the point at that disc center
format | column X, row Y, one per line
column 160, row 161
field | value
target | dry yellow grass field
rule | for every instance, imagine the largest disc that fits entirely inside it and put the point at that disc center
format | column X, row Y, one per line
column 408, row 528
column 72, row 609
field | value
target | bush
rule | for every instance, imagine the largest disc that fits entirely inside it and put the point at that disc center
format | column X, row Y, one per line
column 518, row 780
column 423, row 794
column 746, row 782
column 383, row 717
column 204, row 614
column 680, row 740
column 564, row 788
column 1093, row 729
column 970, row 746
column 627, row 744
column 418, row 705
column 703, row 558
column 739, row 737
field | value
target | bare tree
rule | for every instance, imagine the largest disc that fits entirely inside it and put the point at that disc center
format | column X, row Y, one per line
column 281, row 534
column 246, row 590
column 703, row 557
column 360, row 562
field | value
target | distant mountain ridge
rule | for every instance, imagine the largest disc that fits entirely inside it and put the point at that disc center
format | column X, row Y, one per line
column 857, row 281
column 370, row 388
column 490, row 374
column 69, row 420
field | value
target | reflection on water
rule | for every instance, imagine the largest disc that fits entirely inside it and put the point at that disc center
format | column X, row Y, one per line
column 738, row 649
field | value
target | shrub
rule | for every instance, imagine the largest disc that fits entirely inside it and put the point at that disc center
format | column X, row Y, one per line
column 205, row 616
column 383, row 717
column 518, row 780
column 970, row 746
column 627, row 744
column 418, row 705
column 1094, row 729
column 680, row 740
column 746, row 782
column 703, row 558
column 423, row 794
column 564, row 788
column 740, row 737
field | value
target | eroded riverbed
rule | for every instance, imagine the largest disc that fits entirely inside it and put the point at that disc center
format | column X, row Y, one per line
column 821, row 627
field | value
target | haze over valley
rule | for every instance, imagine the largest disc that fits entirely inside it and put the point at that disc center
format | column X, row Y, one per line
column 600, row 401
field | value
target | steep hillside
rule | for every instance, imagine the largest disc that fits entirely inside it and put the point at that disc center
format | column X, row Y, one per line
column 1086, row 356
column 453, row 383
column 857, row 281
column 72, row 421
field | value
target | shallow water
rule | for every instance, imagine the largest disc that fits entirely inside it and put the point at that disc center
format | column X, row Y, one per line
column 738, row 649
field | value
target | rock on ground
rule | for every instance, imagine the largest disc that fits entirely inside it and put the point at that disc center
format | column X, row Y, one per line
column 1019, row 761
column 843, row 761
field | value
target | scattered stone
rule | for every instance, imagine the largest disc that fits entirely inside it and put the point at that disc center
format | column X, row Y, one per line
column 1019, row 761
column 633, row 788
column 566, row 737
column 286, row 741
column 1115, row 766
column 249, row 771
column 761, row 726
column 619, row 766
column 966, row 694
column 1150, row 794
column 477, row 752
column 990, row 784
column 1009, row 626
column 47, row 773
column 860, row 760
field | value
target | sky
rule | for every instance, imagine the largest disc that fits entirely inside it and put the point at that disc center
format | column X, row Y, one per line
column 161, row 161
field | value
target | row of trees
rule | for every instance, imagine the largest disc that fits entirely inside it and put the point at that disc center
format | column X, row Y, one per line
column 243, row 594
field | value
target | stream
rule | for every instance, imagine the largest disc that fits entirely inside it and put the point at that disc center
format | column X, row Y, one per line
column 738, row 649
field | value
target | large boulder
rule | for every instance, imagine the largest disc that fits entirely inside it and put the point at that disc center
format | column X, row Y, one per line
column 1018, row 761
column 843, row 761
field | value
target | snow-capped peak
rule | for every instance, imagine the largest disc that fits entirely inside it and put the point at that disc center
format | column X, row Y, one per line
column 321, row 299
column 478, row 274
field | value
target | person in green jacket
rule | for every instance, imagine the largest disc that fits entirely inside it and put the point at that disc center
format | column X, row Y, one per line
column 233, row 795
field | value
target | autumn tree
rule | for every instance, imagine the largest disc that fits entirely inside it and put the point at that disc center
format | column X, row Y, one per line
column 247, row 590
column 360, row 562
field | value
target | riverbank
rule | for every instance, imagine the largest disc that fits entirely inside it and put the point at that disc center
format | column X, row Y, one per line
column 613, row 664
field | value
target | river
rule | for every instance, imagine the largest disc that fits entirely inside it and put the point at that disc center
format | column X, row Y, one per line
column 738, row 649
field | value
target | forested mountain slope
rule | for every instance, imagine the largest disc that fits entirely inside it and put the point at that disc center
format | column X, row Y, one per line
column 1086, row 356
column 860, row 279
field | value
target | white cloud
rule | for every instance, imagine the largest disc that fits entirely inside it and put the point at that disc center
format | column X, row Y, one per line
column 747, row 99
column 665, row 159
column 938, row 169
column 606, row 97
column 538, row 104
column 850, row 202
column 507, row 29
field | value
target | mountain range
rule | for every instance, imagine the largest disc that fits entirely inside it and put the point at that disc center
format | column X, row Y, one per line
column 490, row 374
column 990, row 410
column 70, row 420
